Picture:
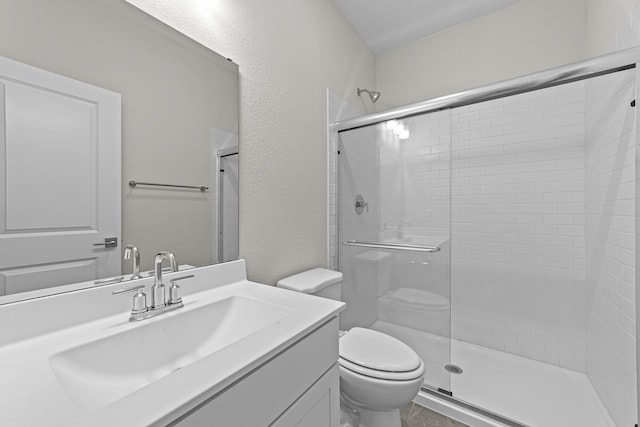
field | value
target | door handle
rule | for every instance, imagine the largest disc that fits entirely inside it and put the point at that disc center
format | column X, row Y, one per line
column 109, row 242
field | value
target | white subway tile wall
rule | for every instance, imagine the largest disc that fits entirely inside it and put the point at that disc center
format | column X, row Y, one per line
column 518, row 246
column 415, row 208
column 415, row 178
column 610, row 242
column 358, row 175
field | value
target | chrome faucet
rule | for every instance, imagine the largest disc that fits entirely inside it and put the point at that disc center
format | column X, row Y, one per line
column 159, row 303
column 132, row 252
column 139, row 309
column 158, row 288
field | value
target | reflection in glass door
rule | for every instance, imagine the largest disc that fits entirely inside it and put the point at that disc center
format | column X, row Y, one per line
column 394, row 228
column 228, row 248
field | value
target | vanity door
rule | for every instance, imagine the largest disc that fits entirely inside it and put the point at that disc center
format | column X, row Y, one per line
column 59, row 179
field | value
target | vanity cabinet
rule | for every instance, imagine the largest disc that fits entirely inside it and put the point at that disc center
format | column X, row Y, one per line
column 297, row 387
column 317, row 407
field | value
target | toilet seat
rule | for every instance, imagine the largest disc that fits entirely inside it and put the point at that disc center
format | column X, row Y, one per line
column 377, row 355
column 381, row 375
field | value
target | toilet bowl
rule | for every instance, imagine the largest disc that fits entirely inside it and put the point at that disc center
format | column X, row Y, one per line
column 378, row 373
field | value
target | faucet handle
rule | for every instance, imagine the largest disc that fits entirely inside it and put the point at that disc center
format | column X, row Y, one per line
column 174, row 290
column 139, row 299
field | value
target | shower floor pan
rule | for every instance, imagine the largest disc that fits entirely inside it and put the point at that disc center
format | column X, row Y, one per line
column 527, row 391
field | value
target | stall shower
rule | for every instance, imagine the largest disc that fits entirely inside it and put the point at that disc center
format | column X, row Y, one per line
column 495, row 233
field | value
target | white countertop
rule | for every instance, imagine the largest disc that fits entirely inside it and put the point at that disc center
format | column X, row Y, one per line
column 31, row 395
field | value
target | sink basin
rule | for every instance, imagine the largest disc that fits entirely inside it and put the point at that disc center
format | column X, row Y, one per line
column 97, row 373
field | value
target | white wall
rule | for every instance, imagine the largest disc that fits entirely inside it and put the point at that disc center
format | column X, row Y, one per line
column 612, row 25
column 289, row 52
column 529, row 36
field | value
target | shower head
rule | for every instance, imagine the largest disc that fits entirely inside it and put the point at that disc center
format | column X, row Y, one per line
column 372, row 95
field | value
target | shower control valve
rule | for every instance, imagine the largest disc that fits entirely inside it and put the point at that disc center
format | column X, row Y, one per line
column 361, row 204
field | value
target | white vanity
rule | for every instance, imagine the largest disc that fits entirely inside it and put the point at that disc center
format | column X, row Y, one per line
column 237, row 354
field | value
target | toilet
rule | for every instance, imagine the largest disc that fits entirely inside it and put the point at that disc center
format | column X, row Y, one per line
column 379, row 374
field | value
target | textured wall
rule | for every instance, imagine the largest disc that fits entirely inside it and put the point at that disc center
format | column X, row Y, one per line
column 289, row 52
column 529, row 36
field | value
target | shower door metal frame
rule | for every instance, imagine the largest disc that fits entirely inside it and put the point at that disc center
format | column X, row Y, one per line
column 637, row 225
column 600, row 65
column 605, row 64
column 221, row 154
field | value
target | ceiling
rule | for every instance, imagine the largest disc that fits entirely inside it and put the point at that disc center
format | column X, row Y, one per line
column 388, row 24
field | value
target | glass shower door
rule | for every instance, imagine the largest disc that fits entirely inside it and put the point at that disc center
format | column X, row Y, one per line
column 394, row 198
column 228, row 230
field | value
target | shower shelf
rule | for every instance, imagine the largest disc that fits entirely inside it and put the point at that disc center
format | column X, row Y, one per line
column 400, row 247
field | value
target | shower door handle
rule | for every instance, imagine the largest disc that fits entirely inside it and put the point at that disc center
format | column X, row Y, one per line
column 396, row 246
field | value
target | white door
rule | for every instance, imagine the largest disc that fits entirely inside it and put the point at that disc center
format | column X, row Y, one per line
column 59, row 179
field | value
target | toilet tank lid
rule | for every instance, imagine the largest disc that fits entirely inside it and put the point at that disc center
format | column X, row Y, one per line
column 310, row 281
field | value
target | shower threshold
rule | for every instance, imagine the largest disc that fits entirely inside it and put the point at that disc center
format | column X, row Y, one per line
column 530, row 392
column 462, row 411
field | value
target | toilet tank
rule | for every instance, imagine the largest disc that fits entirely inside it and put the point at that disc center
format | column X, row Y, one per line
column 319, row 282
column 372, row 273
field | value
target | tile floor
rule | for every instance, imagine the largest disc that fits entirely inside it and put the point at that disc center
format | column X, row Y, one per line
column 416, row 416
